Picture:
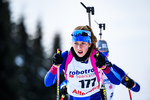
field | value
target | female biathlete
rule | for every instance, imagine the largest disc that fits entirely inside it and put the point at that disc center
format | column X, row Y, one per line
column 81, row 67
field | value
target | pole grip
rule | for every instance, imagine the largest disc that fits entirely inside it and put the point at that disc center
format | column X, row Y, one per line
column 58, row 51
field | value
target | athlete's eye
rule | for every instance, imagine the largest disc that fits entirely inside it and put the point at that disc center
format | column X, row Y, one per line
column 76, row 43
column 83, row 43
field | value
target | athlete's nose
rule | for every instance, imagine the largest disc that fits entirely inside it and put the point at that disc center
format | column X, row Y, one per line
column 79, row 46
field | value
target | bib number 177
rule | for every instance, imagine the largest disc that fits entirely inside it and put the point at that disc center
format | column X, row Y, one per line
column 87, row 83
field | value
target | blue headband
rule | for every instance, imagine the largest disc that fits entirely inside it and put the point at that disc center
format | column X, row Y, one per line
column 81, row 35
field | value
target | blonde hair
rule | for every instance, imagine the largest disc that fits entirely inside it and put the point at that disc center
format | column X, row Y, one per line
column 93, row 37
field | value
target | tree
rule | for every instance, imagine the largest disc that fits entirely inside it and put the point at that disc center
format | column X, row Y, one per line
column 22, row 63
column 6, row 48
column 56, row 44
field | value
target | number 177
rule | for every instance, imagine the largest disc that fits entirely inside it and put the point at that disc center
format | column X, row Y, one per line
column 88, row 82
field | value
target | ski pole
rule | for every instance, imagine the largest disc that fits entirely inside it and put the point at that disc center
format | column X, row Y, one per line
column 130, row 94
column 62, row 97
column 103, row 84
column 58, row 52
column 129, row 89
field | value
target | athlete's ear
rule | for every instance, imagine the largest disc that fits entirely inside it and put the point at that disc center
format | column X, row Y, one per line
column 89, row 44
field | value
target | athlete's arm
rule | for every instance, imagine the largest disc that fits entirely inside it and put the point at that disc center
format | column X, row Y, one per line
column 51, row 76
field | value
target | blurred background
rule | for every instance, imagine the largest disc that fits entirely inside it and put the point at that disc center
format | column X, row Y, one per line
column 32, row 30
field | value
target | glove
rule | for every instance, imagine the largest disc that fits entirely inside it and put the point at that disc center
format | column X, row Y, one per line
column 100, row 61
column 129, row 83
column 57, row 59
column 63, row 90
column 109, row 64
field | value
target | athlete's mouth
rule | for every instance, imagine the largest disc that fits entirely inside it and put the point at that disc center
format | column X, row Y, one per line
column 80, row 52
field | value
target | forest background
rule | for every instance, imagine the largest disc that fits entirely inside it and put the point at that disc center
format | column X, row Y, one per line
column 26, row 52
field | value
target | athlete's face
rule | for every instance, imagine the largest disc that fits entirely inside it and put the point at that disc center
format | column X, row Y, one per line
column 81, row 48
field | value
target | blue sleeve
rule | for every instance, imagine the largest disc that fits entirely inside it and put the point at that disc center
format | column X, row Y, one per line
column 115, row 73
column 136, row 88
column 122, row 74
column 63, row 83
column 113, row 76
column 50, row 79
column 119, row 70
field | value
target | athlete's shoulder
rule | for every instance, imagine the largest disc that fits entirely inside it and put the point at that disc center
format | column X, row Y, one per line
column 65, row 53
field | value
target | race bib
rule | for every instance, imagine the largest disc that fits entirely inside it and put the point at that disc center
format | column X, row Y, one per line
column 82, row 80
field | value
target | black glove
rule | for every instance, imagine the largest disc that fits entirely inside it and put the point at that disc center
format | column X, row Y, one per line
column 109, row 64
column 100, row 61
column 57, row 59
column 63, row 90
column 129, row 83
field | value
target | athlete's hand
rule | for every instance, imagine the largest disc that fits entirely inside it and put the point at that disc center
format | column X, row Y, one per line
column 57, row 59
column 100, row 60
column 109, row 64
column 129, row 83
column 64, row 90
